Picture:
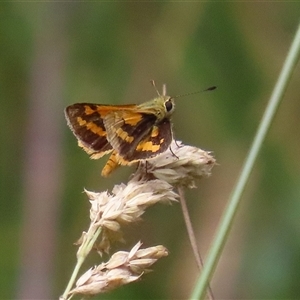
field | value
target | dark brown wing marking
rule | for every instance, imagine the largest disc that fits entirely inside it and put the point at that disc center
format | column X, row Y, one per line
column 88, row 128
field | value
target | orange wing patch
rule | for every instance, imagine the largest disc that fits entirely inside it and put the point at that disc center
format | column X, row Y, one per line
column 113, row 162
column 130, row 119
column 148, row 146
column 124, row 135
column 91, row 126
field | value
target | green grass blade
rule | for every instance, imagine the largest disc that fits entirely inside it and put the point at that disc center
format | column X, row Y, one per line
column 231, row 209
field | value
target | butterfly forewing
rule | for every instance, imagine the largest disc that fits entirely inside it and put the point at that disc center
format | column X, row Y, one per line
column 87, row 125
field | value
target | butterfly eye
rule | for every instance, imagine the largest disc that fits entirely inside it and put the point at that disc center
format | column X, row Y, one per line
column 168, row 105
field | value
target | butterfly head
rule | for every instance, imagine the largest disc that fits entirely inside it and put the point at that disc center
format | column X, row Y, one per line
column 162, row 107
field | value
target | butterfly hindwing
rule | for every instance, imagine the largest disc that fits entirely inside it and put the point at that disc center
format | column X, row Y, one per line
column 136, row 136
column 158, row 141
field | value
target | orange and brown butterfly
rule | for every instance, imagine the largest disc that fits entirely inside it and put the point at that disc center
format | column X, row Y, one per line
column 130, row 133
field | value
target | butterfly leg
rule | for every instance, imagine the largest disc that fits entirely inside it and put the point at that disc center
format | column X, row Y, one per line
column 143, row 165
column 173, row 152
column 177, row 144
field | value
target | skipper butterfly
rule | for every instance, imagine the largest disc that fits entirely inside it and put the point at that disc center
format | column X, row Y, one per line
column 130, row 133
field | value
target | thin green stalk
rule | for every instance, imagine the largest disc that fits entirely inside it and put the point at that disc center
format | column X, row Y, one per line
column 83, row 251
column 231, row 209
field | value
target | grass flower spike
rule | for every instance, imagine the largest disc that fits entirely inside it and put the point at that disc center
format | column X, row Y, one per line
column 181, row 165
column 122, row 268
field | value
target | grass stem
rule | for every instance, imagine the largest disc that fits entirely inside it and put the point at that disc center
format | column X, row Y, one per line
column 227, row 219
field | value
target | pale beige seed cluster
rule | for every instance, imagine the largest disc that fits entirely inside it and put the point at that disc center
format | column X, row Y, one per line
column 125, row 205
column 180, row 165
column 128, row 202
column 122, row 268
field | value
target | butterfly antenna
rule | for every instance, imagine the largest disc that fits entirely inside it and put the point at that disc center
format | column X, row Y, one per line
column 164, row 89
column 154, row 85
column 188, row 94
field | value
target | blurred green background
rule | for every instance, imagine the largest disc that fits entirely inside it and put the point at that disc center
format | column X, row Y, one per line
column 56, row 54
